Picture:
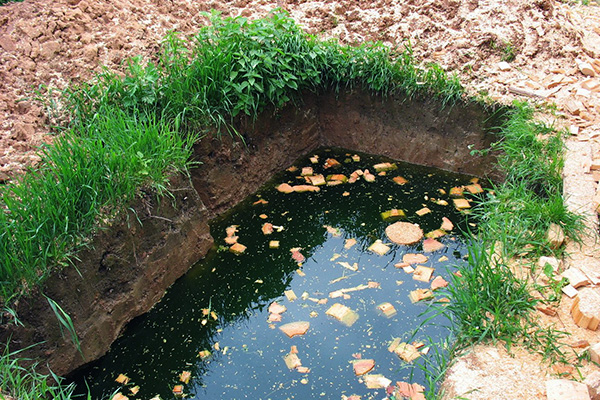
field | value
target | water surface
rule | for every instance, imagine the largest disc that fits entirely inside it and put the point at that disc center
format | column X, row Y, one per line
column 247, row 351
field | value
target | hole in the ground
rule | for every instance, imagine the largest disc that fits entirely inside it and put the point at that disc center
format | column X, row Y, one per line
column 311, row 253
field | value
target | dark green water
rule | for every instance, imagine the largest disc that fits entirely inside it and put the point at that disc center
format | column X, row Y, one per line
column 249, row 364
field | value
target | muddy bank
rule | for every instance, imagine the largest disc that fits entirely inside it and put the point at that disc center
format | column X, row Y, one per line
column 129, row 266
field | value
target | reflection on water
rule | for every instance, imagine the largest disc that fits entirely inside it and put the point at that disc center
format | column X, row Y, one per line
column 247, row 351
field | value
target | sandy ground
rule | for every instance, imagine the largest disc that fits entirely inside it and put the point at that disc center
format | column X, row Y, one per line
column 52, row 43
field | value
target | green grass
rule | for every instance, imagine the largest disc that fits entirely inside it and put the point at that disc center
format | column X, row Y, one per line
column 19, row 379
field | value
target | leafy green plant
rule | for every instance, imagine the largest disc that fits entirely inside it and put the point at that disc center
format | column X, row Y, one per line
column 65, row 323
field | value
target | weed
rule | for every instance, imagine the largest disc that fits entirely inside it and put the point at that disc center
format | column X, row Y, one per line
column 25, row 383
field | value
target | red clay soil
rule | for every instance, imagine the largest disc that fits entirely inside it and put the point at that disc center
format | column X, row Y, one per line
column 52, row 43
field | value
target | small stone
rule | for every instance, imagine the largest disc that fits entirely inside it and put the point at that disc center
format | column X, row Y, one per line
column 562, row 389
column 555, row 236
column 504, row 66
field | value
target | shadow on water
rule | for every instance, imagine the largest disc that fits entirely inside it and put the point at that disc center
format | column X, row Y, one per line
column 246, row 360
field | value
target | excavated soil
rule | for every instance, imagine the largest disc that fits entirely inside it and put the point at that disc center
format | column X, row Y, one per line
column 50, row 44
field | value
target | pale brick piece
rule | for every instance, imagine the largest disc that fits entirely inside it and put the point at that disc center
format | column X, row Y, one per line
column 595, row 352
column 576, row 277
column 593, row 383
column 562, row 389
column 586, row 308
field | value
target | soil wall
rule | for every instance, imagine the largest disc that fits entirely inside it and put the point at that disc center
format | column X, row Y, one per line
column 129, row 266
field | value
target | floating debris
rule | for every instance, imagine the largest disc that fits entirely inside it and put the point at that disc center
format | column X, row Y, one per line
column 349, row 243
column 404, row 233
column 274, row 244
column 204, row 354
column 260, row 201
column 456, row 191
column 368, row 177
column 178, row 390
column 285, row 188
column 387, row 309
column 331, row 163
column 438, row 282
column 423, row 211
column 411, row 258
column 316, row 180
column 353, row 267
column 356, row 158
column 379, row 248
column 447, row 225
column 335, row 232
column 185, row 377
column 276, row 308
column 295, row 328
column 306, row 188
column 474, row 188
column 122, row 379
column 420, row 294
column 296, row 255
column 267, row 228
column 134, row 390
column 407, row 352
column 291, row 296
column 117, row 396
column 376, row 381
column 237, row 248
column 263, row 216
column 423, row 273
column 314, row 159
column 400, row 180
column 292, row 361
column 435, row 234
column 461, row 204
column 430, row 245
column 307, row 171
column 362, row 367
column 343, row 314
column 385, row 167
column 393, row 215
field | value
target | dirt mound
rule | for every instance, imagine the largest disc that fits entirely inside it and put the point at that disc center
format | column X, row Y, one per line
column 47, row 43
